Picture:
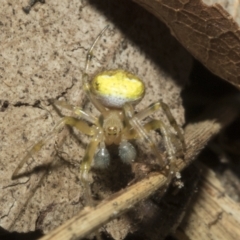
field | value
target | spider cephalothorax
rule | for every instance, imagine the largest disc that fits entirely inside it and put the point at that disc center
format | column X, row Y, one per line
column 113, row 126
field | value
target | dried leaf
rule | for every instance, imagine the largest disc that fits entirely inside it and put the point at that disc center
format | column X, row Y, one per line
column 206, row 30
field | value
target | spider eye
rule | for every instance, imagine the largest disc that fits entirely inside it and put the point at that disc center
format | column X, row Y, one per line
column 112, row 130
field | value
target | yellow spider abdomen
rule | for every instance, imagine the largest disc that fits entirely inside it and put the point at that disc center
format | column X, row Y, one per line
column 114, row 88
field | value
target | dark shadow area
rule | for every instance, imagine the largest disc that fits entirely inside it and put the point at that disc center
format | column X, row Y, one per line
column 203, row 90
column 117, row 175
column 60, row 163
column 6, row 235
column 158, row 216
column 147, row 32
column 207, row 91
column 41, row 168
column 222, row 154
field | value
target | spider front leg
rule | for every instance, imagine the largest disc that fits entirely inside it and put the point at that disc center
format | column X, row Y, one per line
column 168, row 141
column 154, row 107
column 140, row 131
column 75, row 110
column 143, row 131
column 81, row 125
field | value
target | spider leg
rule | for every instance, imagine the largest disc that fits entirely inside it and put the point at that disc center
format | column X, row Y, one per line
column 141, row 131
column 75, row 110
column 154, row 107
column 86, row 163
column 85, row 76
column 171, row 152
column 90, row 51
column 81, row 125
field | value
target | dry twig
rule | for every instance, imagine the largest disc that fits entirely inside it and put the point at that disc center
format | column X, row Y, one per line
column 213, row 215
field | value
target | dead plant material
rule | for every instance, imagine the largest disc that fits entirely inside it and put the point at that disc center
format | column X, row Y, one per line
column 197, row 136
column 213, row 214
column 208, row 32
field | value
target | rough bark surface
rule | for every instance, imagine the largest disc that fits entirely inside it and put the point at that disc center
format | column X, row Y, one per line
column 42, row 57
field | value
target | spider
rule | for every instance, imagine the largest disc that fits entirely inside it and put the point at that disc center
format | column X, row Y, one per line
column 114, row 93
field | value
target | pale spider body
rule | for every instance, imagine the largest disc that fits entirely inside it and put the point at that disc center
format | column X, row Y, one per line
column 114, row 93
